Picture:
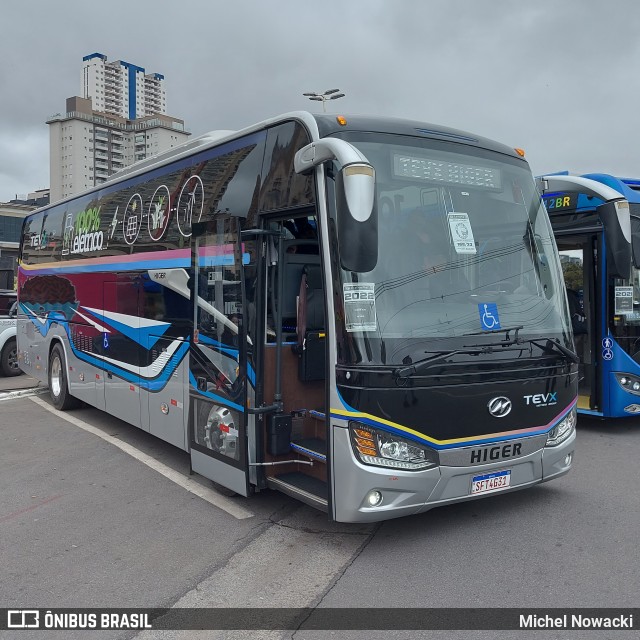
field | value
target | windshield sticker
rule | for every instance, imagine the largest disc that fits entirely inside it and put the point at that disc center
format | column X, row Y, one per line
column 624, row 300
column 360, row 306
column 461, row 233
column 489, row 318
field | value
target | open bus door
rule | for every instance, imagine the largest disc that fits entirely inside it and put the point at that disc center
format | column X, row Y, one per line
column 218, row 356
column 579, row 259
column 584, row 235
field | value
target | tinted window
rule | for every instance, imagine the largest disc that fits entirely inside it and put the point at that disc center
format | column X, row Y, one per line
column 282, row 187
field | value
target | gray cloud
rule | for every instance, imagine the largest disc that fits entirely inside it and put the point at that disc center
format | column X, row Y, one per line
column 555, row 78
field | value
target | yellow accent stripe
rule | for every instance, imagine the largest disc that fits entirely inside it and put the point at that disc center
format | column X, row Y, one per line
column 355, row 415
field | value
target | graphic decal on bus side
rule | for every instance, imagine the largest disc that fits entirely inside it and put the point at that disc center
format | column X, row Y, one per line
column 158, row 214
column 62, row 307
column 190, row 205
column 49, row 297
column 132, row 220
column 167, row 201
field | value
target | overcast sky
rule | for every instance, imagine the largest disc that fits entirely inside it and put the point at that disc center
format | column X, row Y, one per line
column 557, row 78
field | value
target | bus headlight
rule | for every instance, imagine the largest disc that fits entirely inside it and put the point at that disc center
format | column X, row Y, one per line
column 628, row 382
column 562, row 430
column 383, row 449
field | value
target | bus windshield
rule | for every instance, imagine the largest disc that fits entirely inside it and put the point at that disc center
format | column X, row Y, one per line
column 624, row 312
column 465, row 248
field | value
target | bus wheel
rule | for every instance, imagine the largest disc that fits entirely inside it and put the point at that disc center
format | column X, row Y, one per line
column 58, row 387
column 9, row 359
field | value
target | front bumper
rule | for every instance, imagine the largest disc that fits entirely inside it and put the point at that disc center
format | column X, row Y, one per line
column 406, row 493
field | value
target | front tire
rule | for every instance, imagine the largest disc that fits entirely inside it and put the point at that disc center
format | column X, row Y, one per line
column 58, row 386
column 9, row 359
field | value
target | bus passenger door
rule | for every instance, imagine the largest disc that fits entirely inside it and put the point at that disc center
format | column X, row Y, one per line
column 121, row 348
column 217, row 367
column 578, row 256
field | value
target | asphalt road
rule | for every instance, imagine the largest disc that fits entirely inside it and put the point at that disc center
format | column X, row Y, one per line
column 83, row 523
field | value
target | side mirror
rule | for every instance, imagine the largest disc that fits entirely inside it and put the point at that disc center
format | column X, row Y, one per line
column 357, row 217
column 635, row 241
column 617, row 230
column 355, row 199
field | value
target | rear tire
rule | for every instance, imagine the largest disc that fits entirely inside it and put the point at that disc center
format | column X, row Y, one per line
column 9, row 359
column 58, row 385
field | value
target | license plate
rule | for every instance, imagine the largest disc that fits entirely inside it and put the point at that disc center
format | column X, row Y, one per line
column 490, row 482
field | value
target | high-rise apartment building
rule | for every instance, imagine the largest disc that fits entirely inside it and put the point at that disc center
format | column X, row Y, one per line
column 121, row 88
column 118, row 120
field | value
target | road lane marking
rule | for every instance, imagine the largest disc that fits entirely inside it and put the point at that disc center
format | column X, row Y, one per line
column 206, row 493
column 22, row 393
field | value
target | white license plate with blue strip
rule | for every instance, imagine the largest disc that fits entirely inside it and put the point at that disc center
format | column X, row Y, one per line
column 489, row 482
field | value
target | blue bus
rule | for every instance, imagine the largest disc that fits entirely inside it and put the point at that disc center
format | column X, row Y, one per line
column 596, row 223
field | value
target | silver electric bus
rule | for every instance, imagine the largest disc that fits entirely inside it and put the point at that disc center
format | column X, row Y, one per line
column 367, row 314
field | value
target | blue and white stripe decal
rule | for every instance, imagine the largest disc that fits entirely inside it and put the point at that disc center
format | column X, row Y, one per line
column 144, row 331
column 143, row 377
column 213, row 396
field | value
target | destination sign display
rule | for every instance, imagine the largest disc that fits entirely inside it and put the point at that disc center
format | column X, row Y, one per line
column 422, row 168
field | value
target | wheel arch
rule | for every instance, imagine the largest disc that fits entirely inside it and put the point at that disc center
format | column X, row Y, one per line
column 55, row 340
column 6, row 335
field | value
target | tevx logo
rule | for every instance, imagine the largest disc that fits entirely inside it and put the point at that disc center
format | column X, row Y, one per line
column 542, row 399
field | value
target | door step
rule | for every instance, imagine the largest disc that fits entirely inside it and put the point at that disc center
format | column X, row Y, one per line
column 312, row 447
column 305, row 488
column 318, row 415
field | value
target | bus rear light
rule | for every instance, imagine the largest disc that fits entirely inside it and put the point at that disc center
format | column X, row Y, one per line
column 383, row 449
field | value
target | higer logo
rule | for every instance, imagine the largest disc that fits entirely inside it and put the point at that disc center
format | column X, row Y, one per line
column 542, row 399
column 500, row 452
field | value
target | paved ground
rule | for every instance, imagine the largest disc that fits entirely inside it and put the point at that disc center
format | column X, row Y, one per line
column 83, row 523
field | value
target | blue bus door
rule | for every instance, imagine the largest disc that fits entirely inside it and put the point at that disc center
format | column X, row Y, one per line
column 579, row 259
column 218, row 354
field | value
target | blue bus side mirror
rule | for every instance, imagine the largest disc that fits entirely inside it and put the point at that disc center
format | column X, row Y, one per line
column 635, row 241
column 617, row 230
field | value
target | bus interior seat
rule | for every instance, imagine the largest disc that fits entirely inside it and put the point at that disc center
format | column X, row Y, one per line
column 310, row 347
column 297, row 254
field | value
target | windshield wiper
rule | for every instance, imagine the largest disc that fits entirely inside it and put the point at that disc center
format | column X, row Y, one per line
column 507, row 331
column 478, row 349
column 413, row 368
column 550, row 345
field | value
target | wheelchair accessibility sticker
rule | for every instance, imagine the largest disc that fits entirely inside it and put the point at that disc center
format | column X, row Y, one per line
column 489, row 318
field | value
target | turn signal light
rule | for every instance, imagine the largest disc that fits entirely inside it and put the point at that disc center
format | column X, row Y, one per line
column 520, row 152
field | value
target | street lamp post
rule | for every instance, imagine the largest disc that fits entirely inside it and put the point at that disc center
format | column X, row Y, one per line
column 331, row 94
